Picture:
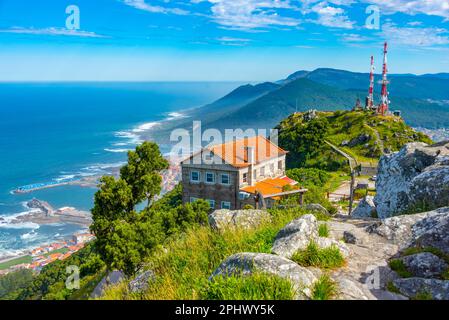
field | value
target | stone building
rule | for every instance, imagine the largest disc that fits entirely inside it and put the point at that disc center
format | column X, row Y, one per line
column 230, row 175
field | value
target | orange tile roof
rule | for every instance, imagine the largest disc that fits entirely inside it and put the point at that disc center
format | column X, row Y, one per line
column 235, row 152
column 269, row 186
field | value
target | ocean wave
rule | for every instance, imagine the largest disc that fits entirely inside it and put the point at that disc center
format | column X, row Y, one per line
column 117, row 150
column 24, row 225
column 145, row 127
column 175, row 115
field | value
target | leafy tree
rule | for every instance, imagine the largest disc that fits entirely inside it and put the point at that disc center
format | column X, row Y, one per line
column 142, row 173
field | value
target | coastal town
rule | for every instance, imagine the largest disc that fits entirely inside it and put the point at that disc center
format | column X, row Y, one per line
column 39, row 257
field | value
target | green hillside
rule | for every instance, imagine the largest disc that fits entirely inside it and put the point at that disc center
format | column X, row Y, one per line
column 362, row 135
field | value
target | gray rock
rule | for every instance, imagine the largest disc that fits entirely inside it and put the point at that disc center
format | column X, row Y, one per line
column 411, row 287
column 416, row 175
column 295, row 236
column 141, row 282
column 365, row 209
column 428, row 229
column 425, row 265
column 325, row 243
column 242, row 264
column 112, row 278
column 350, row 290
column 362, row 139
column 244, row 219
column 316, row 207
column 350, row 237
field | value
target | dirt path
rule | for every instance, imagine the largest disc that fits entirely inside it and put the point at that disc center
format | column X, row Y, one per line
column 366, row 274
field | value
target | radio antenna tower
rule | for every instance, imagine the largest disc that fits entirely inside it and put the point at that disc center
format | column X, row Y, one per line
column 370, row 99
column 385, row 102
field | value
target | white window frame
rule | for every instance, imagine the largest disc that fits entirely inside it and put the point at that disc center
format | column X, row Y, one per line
column 213, row 176
column 223, row 206
column 262, row 171
column 229, row 179
column 211, row 203
column 191, row 176
column 245, row 179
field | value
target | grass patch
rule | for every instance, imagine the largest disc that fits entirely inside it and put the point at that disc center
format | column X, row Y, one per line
column 392, row 288
column 185, row 262
column 324, row 289
column 424, row 295
column 314, row 256
column 258, row 286
column 400, row 268
column 15, row 262
column 323, row 230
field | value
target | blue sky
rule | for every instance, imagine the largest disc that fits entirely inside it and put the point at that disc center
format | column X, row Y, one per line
column 217, row 40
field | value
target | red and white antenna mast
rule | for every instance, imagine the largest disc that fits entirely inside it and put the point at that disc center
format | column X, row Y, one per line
column 385, row 102
column 370, row 98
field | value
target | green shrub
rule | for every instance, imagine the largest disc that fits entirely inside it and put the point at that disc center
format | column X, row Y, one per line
column 392, row 288
column 423, row 295
column 314, row 256
column 248, row 207
column 324, row 289
column 258, row 286
column 309, row 176
column 323, row 230
column 399, row 266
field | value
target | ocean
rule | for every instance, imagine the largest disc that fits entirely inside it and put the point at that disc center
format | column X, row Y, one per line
column 54, row 131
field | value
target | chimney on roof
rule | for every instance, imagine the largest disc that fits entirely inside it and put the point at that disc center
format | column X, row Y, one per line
column 251, row 159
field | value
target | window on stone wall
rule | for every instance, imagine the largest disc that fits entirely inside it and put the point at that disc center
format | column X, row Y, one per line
column 280, row 165
column 225, row 178
column 210, row 177
column 211, row 203
column 262, row 171
column 245, row 178
column 225, row 205
column 195, row 176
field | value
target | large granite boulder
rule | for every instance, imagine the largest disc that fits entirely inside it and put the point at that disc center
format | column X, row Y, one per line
column 425, row 265
column 241, row 219
column 141, row 282
column 365, row 209
column 429, row 229
column 415, row 177
column 413, row 287
column 325, row 243
column 244, row 264
column 296, row 236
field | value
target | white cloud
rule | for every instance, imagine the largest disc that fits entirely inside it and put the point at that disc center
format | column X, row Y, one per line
column 53, row 32
column 250, row 14
column 351, row 37
column 142, row 5
column 413, row 7
column 330, row 16
column 233, row 41
column 421, row 37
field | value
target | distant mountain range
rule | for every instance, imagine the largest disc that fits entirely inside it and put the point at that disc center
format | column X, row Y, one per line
column 423, row 100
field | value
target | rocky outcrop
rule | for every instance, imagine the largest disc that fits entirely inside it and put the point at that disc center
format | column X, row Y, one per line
column 244, row 219
column 425, row 265
column 43, row 206
column 295, row 236
column 365, row 209
column 429, row 229
column 430, row 288
column 316, row 207
column 298, row 234
column 243, row 264
column 141, row 282
column 415, row 177
column 325, row 243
